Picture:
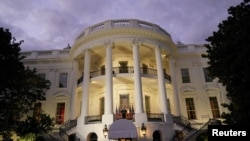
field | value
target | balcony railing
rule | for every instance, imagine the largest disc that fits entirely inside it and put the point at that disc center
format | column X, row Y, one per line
column 155, row 117
column 123, row 23
column 122, row 70
column 93, row 119
column 128, row 116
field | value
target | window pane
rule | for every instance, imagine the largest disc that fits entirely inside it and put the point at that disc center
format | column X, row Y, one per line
column 60, row 110
column 124, row 101
column 63, row 80
column 147, row 104
column 123, row 67
column 214, row 107
column 206, row 74
column 102, row 105
column 190, row 108
column 185, row 75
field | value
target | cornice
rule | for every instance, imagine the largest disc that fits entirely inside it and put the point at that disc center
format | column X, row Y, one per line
column 122, row 33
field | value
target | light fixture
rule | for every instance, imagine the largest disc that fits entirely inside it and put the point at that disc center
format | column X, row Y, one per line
column 143, row 129
column 105, row 131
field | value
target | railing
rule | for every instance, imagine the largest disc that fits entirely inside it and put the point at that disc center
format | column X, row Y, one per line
column 128, row 116
column 202, row 129
column 69, row 124
column 66, row 126
column 155, row 117
column 132, row 23
column 93, row 119
column 122, row 70
column 180, row 120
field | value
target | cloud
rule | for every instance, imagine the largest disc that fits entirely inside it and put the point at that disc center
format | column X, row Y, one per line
column 46, row 24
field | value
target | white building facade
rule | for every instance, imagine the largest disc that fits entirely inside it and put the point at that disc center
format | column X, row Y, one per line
column 124, row 75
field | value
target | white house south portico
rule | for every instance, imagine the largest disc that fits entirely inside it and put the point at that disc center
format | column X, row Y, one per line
column 119, row 60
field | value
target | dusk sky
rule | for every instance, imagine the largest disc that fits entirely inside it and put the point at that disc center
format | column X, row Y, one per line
column 53, row 24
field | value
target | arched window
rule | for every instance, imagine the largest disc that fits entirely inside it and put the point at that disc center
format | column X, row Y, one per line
column 156, row 136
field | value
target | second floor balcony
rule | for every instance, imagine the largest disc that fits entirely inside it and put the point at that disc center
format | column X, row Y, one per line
column 145, row 72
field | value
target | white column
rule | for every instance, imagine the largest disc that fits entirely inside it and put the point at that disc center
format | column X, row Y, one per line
column 109, row 81
column 85, row 86
column 161, row 81
column 73, row 90
column 137, row 80
column 176, row 100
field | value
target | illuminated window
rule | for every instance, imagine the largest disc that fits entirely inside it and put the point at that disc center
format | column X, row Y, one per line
column 63, row 80
column 190, row 108
column 147, row 104
column 102, row 105
column 168, row 102
column 214, row 107
column 60, row 111
column 185, row 75
column 124, row 101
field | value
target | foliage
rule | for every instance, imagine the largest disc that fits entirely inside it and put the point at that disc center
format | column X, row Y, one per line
column 20, row 87
column 36, row 125
column 228, row 54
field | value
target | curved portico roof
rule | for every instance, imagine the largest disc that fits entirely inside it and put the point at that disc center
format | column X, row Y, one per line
column 122, row 128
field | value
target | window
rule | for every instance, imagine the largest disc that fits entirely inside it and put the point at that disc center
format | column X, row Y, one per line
column 190, row 108
column 123, row 67
column 168, row 103
column 124, row 101
column 214, row 107
column 60, row 110
column 63, row 80
column 185, row 75
column 147, row 104
column 206, row 74
column 144, row 69
column 102, row 70
column 102, row 105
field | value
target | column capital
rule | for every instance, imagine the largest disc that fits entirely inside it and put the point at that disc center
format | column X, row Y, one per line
column 136, row 42
column 109, row 43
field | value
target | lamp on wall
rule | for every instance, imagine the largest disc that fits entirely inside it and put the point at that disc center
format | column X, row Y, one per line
column 105, row 131
column 143, row 129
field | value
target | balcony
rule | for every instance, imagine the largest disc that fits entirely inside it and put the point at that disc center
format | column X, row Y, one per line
column 145, row 72
column 121, row 24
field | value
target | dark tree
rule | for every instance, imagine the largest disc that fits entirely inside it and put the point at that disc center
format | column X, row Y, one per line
column 20, row 87
column 38, row 125
column 228, row 53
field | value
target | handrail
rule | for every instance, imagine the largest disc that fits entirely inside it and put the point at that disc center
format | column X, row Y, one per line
column 121, row 70
column 155, row 117
column 93, row 119
column 204, row 127
column 121, row 23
